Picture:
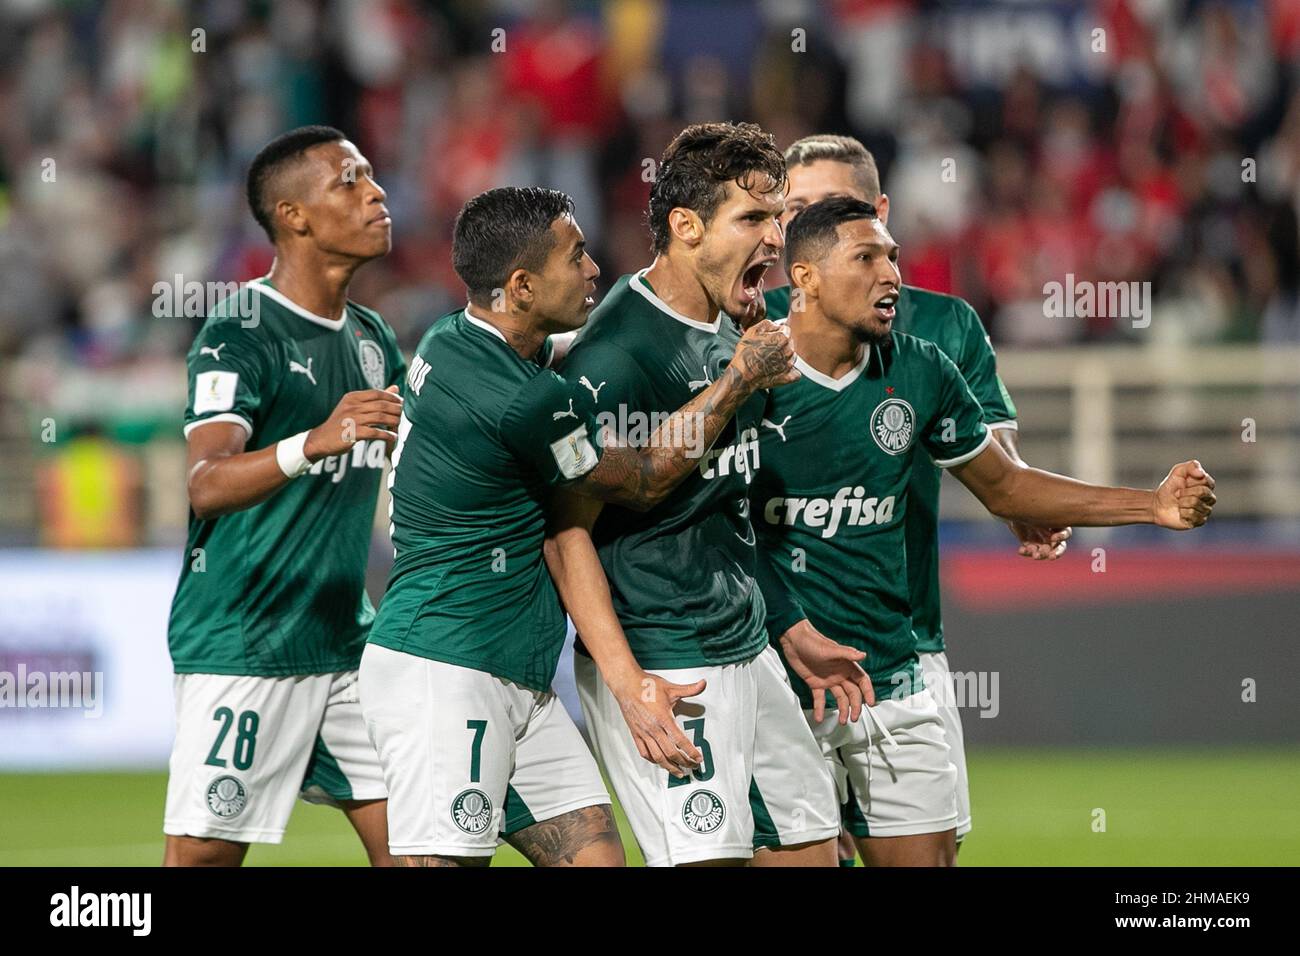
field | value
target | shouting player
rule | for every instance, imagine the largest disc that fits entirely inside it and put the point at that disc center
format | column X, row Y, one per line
column 681, row 575
column 456, row 678
column 291, row 413
column 824, row 166
column 832, row 499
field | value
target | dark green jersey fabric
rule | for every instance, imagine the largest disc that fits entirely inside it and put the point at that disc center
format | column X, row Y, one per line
column 485, row 435
column 682, row 574
column 279, row 588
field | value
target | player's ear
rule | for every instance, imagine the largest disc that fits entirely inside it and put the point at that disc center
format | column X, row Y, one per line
column 882, row 209
column 290, row 216
column 686, row 225
column 803, row 276
column 520, row 287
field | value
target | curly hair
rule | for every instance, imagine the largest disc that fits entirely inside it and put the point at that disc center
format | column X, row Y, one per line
column 698, row 164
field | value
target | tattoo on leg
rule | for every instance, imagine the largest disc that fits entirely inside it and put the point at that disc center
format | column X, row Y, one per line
column 431, row 861
column 558, row 841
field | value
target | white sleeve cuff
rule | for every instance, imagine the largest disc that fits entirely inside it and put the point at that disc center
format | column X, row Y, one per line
column 1009, row 423
column 223, row 417
column 962, row 459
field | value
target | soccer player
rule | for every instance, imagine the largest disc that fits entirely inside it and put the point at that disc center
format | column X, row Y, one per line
column 831, row 505
column 456, row 677
column 291, row 413
column 824, row 166
column 681, row 574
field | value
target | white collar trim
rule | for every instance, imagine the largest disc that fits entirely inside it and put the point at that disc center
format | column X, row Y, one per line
column 638, row 285
column 834, row 384
column 485, row 326
column 275, row 295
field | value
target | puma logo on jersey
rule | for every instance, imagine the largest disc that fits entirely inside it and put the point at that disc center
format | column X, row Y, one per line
column 213, row 350
column 701, row 382
column 364, row 454
column 594, row 389
column 827, row 514
column 779, row 429
column 740, row 457
column 305, row 370
column 556, row 416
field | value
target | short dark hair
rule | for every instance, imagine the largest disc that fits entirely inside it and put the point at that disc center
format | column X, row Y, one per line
column 838, row 149
column 502, row 230
column 273, row 158
column 697, row 165
column 812, row 233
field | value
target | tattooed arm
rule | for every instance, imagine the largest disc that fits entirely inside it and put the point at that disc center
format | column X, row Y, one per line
column 640, row 478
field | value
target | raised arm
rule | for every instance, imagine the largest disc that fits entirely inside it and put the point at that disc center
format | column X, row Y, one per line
column 640, row 478
column 1014, row 491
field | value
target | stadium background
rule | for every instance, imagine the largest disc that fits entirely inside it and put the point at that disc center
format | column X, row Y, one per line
column 1161, row 691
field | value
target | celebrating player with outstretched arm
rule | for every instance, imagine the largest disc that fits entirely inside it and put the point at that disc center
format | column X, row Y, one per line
column 822, row 167
column 456, row 679
column 831, row 501
column 291, row 413
column 681, row 575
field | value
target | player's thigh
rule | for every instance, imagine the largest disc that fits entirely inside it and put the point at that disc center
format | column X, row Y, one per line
column 921, row 849
column 445, row 736
column 242, row 745
column 344, row 766
column 692, row 819
column 939, row 679
column 792, row 794
column 902, row 784
column 557, row 810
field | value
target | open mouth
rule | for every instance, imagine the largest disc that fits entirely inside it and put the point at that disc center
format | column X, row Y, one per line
column 751, row 280
column 884, row 307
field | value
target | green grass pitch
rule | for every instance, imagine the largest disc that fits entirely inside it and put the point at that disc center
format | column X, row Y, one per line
column 1032, row 807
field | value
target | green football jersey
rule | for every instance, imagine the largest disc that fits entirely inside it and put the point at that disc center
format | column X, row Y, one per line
column 484, row 436
column 831, row 503
column 681, row 574
column 279, row 588
column 951, row 324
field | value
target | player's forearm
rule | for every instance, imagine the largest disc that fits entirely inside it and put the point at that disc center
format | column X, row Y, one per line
column 1034, row 496
column 640, row 478
column 676, row 448
column 575, row 568
column 1009, row 439
column 223, row 485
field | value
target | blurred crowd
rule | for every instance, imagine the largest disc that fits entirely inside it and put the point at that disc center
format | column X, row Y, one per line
column 1142, row 140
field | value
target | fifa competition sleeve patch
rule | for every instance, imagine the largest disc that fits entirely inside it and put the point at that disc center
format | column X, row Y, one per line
column 214, row 391
column 574, row 453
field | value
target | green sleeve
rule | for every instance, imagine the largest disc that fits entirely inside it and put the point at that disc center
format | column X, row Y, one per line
column 612, row 378
column 979, row 366
column 551, row 427
column 956, row 432
column 228, row 371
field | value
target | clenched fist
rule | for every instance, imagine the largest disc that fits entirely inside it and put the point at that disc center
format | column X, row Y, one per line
column 1185, row 498
column 764, row 356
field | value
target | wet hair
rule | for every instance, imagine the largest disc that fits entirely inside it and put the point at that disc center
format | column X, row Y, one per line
column 697, row 165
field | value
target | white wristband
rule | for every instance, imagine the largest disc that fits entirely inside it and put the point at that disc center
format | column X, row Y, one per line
column 289, row 455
